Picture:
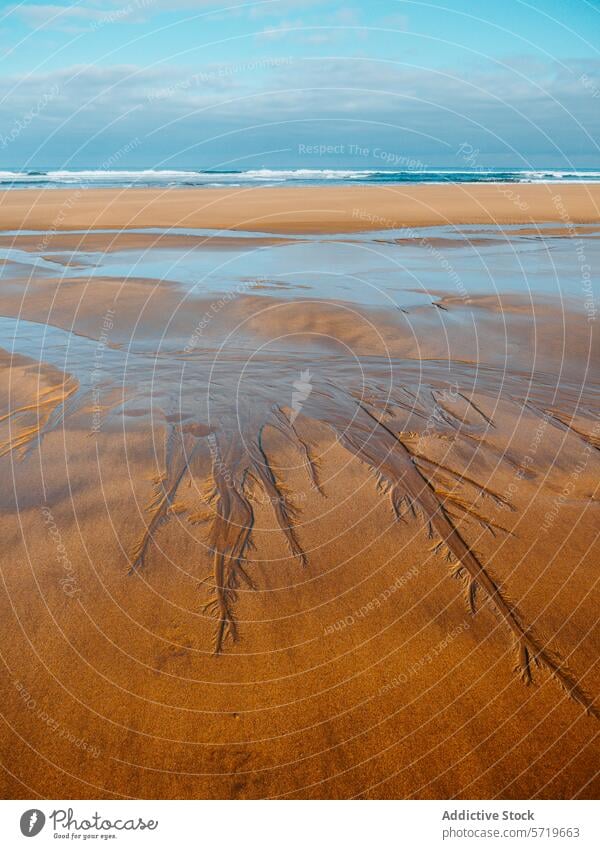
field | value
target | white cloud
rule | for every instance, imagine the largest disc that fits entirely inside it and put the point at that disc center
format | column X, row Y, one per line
column 75, row 18
column 475, row 105
column 40, row 16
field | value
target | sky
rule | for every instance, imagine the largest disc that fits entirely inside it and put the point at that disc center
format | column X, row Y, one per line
column 197, row 84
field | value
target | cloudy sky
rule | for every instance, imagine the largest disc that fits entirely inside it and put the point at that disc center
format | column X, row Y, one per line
column 200, row 84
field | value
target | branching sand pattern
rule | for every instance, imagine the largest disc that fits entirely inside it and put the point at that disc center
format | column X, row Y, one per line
column 421, row 492
column 26, row 424
column 384, row 430
column 226, row 509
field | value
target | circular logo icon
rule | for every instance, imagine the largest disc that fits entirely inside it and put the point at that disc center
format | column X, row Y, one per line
column 32, row 822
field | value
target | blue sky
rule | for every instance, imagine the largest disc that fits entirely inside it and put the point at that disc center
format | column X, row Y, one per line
column 194, row 83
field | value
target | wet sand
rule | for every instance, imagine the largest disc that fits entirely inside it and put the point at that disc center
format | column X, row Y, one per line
column 305, row 518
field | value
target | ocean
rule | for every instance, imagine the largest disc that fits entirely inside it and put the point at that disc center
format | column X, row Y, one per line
column 274, row 177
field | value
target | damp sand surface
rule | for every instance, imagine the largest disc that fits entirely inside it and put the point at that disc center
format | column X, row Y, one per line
column 312, row 516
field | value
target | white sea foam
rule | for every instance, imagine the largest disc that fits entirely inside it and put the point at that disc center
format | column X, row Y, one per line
column 272, row 176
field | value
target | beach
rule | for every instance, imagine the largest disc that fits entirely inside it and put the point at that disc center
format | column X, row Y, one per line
column 300, row 492
column 341, row 209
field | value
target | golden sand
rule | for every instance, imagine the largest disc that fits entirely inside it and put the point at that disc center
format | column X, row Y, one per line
column 385, row 589
column 300, row 210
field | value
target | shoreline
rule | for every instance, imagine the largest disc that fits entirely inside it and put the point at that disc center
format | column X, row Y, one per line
column 318, row 210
